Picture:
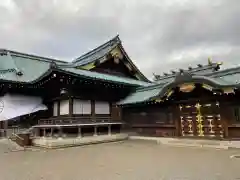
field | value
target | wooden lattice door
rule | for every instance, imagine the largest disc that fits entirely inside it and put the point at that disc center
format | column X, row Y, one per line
column 201, row 120
column 212, row 126
column 188, row 119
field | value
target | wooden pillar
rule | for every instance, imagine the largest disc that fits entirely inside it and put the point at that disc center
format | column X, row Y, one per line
column 95, row 131
column 58, row 109
column 79, row 132
column 36, row 132
column 227, row 115
column 93, row 110
column 109, row 130
column 51, row 133
column 60, row 133
column 5, row 128
column 177, row 121
column 44, row 132
column 70, row 106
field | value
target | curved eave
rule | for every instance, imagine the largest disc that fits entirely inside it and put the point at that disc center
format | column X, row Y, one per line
column 216, row 84
column 81, row 73
column 100, row 79
column 46, row 73
column 163, row 90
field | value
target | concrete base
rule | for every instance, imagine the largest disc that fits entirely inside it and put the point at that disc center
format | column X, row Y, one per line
column 70, row 142
column 218, row 144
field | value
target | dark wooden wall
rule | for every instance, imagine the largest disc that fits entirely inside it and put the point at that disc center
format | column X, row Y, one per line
column 164, row 119
column 151, row 120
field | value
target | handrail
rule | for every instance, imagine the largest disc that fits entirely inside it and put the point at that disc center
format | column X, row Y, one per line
column 17, row 136
column 74, row 117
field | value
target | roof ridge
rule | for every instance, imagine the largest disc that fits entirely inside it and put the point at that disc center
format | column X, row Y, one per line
column 225, row 72
column 190, row 70
column 31, row 56
column 116, row 39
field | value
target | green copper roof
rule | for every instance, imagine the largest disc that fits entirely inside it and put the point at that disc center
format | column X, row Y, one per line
column 144, row 94
column 31, row 67
column 140, row 96
column 97, row 53
column 105, row 77
column 102, row 52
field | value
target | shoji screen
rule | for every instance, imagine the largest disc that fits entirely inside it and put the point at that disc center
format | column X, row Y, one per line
column 81, row 106
column 102, row 107
column 55, row 108
column 64, row 107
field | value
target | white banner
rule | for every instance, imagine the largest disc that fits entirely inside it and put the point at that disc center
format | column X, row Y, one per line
column 12, row 106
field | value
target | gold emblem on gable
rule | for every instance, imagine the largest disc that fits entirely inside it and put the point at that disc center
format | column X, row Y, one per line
column 187, row 87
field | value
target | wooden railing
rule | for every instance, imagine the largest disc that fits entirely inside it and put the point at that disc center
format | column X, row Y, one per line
column 75, row 120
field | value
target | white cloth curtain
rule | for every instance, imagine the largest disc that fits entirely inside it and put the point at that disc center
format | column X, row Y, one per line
column 81, row 106
column 55, row 108
column 64, row 107
column 12, row 106
column 102, row 107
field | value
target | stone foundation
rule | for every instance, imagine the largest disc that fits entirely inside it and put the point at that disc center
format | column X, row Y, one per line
column 70, row 142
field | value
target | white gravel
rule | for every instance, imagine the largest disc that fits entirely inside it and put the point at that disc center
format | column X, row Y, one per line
column 129, row 160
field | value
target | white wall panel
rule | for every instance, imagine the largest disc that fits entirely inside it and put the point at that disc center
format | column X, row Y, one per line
column 81, row 106
column 64, row 107
column 55, row 108
column 102, row 107
column 77, row 106
column 86, row 107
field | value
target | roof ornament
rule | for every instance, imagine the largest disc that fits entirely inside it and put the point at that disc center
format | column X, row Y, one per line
column 165, row 74
column 19, row 73
column 209, row 61
column 53, row 65
column 156, row 77
column 190, row 68
column 183, row 76
column 173, row 72
column 200, row 65
column 181, row 71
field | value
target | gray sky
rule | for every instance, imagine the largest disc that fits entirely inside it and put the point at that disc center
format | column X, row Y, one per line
column 158, row 35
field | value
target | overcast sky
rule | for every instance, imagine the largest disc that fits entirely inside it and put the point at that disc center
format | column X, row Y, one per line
column 158, row 35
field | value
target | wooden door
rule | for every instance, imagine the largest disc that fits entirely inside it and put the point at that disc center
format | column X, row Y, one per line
column 201, row 120
column 212, row 126
column 188, row 119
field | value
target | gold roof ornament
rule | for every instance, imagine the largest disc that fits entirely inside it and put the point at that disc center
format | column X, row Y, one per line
column 209, row 61
column 187, row 87
column 205, row 86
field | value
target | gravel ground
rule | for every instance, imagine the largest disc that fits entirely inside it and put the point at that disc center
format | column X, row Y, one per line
column 129, row 160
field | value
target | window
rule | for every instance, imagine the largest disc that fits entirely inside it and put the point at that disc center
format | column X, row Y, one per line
column 64, row 107
column 55, row 108
column 81, row 106
column 102, row 108
column 237, row 114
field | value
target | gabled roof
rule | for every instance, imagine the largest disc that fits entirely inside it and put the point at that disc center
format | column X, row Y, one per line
column 97, row 53
column 34, row 68
column 102, row 52
column 219, row 79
